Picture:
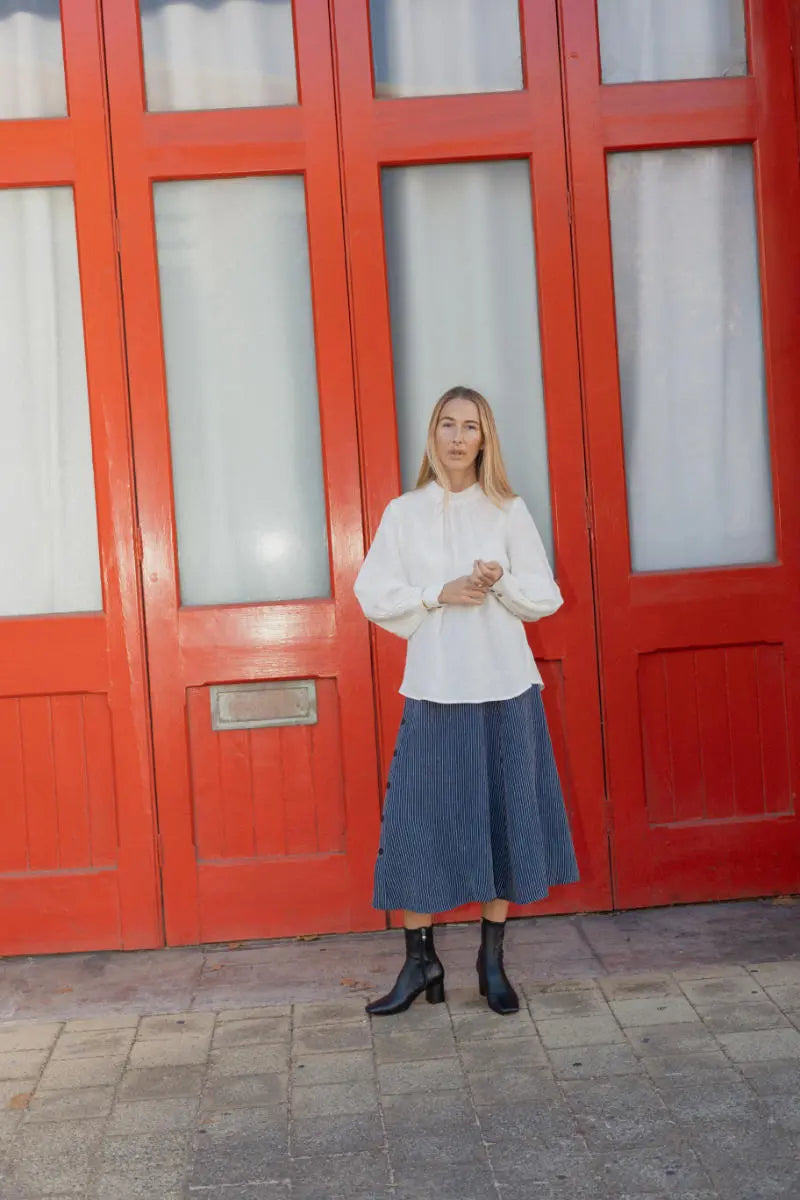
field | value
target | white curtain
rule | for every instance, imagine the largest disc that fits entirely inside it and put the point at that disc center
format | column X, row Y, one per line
column 48, row 524
column 31, row 60
column 462, row 291
column 218, row 53
column 242, row 390
column 671, row 39
column 691, row 365
column 441, row 47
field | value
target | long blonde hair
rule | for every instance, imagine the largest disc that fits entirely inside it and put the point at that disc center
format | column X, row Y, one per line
column 489, row 464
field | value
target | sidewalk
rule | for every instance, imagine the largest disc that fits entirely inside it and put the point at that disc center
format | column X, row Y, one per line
column 658, row 1055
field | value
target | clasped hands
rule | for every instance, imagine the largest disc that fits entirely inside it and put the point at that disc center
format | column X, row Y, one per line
column 472, row 589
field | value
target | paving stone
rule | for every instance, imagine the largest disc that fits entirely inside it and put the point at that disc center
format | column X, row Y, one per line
column 248, row 1060
column 670, row 1170
column 419, row 1016
column 55, row 1159
column 252, row 1030
column 160, row 1083
column 579, row 1031
column 268, row 1012
column 328, row 1098
column 332, row 1037
column 775, row 974
column 585, row 1003
column 28, row 1036
column 413, row 1047
column 94, row 1044
column 107, row 1021
column 653, row 1128
column 22, row 1064
column 333, row 1068
column 686, row 1066
column 761, row 1044
column 741, row 1016
column 175, row 1025
column 655, row 1010
column 437, row 1075
column 777, row 1077
column 606, row 1099
column 338, row 1133
column 775, row 1180
column 245, row 1091
column 685, row 1038
column 587, row 1062
column 638, row 987
column 342, row 1172
column 726, row 990
column 82, row 1072
column 785, row 995
column 529, row 1121
column 487, row 1024
column 436, row 1112
column 720, row 1142
column 168, row 1052
column 147, row 1166
column 246, row 1156
column 456, row 1181
column 714, row 1098
column 502, row 1052
column 70, row 1103
column 560, row 1166
column 710, row 971
column 459, row 1144
column 275, row 1190
column 512, row 1083
column 12, row 1090
column 330, row 1013
column 152, row 1116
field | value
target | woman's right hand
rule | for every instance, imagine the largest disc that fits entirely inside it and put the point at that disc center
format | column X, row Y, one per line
column 462, row 591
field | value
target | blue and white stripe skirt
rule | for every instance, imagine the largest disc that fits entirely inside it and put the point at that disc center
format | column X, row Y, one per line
column 474, row 809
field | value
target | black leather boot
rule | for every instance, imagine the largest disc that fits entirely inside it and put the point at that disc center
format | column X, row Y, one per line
column 421, row 972
column 492, row 979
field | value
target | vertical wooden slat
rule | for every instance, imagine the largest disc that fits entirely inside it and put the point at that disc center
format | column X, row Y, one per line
column 206, row 792
column 715, row 740
column 326, row 769
column 40, row 791
column 269, row 817
column 236, row 792
column 101, row 782
column 774, row 728
column 653, row 714
column 298, row 792
column 745, row 733
column 14, row 840
column 69, row 743
column 687, row 770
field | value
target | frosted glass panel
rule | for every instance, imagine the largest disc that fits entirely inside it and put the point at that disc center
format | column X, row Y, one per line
column 690, row 357
column 218, row 53
column 241, row 381
column 440, row 47
column 48, row 523
column 31, row 60
column 671, row 39
column 462, row 288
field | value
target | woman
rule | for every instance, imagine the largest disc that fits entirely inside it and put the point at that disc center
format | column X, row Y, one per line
column 473, row 810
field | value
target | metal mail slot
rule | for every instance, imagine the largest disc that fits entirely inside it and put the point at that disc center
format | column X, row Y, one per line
column 259, row 705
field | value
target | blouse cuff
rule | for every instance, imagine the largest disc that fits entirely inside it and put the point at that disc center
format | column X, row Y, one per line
column 430, row 596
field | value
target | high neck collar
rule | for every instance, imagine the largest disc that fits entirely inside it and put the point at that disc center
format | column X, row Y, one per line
column 462, row 497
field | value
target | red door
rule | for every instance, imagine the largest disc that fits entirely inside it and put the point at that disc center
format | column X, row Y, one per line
column 700, row 667
column 244, row 428
column 451, row 201
column 77, row 858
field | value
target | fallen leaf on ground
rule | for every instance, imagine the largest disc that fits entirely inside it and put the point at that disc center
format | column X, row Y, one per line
column 21, row 1100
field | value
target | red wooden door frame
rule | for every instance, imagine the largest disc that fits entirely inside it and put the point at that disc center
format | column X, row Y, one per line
column 701, row 608
column 525, row 125
column 192, row 647
column 97, row 656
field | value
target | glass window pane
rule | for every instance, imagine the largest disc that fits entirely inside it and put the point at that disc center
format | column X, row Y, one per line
column 218, row 53
column 48, row 522
column 31, row 60
column 671, row 39
column 242, row 386
column 441, row 47
column 462, row 289
column 686, row 280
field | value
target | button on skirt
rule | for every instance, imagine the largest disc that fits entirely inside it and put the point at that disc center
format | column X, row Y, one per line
column 473, row 810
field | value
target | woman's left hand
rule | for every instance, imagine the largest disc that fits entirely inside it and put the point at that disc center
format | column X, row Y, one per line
column 486, row 574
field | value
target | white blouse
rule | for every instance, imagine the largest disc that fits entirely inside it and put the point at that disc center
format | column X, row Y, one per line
column 458, row 654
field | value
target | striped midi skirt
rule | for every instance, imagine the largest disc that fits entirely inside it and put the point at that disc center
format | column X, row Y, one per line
column 473, row 810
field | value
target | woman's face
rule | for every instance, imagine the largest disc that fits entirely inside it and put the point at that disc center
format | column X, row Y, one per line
column 458, row 435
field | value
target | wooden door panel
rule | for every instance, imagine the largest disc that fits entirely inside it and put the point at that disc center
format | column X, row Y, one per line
column 78, row 868
column 700, row 667
column 527, row 124
column 263, row 832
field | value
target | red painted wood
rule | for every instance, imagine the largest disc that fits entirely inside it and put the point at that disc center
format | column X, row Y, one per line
column 317, row 639
column 42, row 914
column 741, row 850
column 687, row 766
column 428, row 129
column 102, row 782
column 13, row 808
column 772, row 726
column 653, row 711
column 40, row 791
column 69, row 761
column 269, row 816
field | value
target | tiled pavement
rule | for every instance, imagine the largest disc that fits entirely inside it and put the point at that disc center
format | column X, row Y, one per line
column 657, row 1055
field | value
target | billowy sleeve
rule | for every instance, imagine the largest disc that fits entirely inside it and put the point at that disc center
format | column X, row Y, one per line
column 527, row 589
column 382, row 588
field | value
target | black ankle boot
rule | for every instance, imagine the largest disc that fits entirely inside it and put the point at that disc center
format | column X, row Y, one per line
column 421, row 972
column 492, row 979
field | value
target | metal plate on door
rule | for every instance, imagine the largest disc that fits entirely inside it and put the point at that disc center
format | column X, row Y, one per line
column 260, row 705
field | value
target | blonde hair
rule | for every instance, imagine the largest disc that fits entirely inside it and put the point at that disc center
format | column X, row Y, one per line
column 489, row 464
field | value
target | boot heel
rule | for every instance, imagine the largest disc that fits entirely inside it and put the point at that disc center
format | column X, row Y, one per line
column 434, row 992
